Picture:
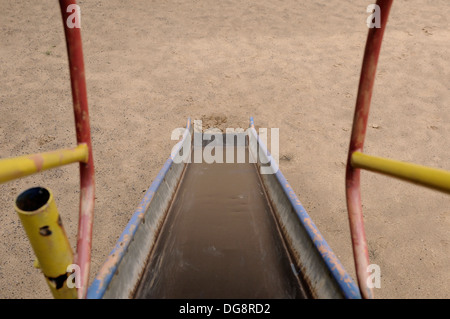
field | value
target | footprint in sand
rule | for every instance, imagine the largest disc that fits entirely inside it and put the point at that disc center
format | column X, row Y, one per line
column 427, row 30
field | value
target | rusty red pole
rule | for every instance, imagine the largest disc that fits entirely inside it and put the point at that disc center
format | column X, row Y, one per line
column 352, row 179
column 80, row 106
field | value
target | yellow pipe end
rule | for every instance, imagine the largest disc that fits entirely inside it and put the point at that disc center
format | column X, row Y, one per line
column 43, row 226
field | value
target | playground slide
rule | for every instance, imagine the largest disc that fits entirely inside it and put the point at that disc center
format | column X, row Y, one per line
column 221, row 230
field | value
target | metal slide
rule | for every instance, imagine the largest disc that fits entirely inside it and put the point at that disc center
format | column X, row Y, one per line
column 220, row 239
column 221, row 230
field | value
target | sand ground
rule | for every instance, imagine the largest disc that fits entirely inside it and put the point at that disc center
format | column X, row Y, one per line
column 293, row 65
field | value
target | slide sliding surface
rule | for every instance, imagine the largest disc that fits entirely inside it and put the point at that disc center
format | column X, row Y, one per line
column 220, row 239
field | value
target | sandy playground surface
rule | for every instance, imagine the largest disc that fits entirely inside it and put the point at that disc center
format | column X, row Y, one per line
column 293, row 65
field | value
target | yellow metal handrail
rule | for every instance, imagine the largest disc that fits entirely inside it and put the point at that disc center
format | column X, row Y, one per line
column 427, row 176
column 17, row 167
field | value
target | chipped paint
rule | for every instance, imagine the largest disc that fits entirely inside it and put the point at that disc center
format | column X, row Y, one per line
column 38, row 161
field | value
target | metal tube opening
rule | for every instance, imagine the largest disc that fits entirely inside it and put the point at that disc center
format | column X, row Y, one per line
column 32, row 199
